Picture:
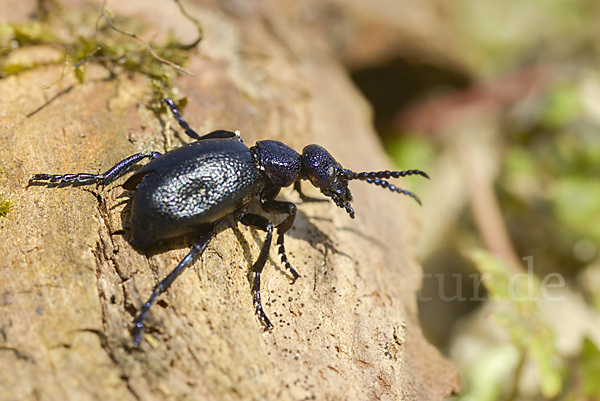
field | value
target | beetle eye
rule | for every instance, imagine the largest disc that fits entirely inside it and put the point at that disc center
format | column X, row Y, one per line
column 331, row 173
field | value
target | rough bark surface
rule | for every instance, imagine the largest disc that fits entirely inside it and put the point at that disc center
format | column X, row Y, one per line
column 70, row 283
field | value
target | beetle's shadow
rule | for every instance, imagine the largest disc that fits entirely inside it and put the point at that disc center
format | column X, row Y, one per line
column 308, row 232
column 303, row 229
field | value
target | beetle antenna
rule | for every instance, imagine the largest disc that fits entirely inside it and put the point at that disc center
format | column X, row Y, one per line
column 377, row 178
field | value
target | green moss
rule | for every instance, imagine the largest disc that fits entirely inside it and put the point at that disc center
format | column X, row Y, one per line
column 5, row 206
column 101, row 38
column 13, row 36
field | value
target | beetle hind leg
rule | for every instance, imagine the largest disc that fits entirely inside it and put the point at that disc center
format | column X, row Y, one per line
column 195, row 251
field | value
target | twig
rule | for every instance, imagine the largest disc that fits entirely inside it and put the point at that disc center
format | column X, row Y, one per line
column 141, row 41
column 195, row 22
column 487, row 213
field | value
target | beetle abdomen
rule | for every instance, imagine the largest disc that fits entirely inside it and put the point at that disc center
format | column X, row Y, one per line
column 191, row 186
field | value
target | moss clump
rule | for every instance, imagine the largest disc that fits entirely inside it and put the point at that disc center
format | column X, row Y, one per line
column 5, row 206
column 96, row 37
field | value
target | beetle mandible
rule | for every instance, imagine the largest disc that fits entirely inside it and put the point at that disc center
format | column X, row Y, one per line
column 191, row 189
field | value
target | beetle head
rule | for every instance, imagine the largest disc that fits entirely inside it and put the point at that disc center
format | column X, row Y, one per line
column 280, row 163
column 325, row 173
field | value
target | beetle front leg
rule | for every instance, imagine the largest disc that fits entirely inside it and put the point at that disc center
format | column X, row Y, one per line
column 106, row 178
column 262, row 223
column 195, row 251
column 305, row 198
column 280, row 207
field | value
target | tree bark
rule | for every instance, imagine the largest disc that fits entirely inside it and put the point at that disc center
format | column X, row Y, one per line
column 71, row 284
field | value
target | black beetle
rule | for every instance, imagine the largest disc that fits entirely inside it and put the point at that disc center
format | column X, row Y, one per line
column 191, row 189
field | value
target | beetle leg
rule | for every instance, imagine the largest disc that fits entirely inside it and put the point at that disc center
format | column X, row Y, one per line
column 306, row 198
column 106, row 178
column 279, row 207
column 195, row 251
column 182, row 123
column 222, row 134
column 125, row 165
column 193, row 134
column 262, row 223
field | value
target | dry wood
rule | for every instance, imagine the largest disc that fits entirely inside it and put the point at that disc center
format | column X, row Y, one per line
column 71, row 284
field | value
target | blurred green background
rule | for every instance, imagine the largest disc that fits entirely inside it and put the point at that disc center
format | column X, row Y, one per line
column 507, row 122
